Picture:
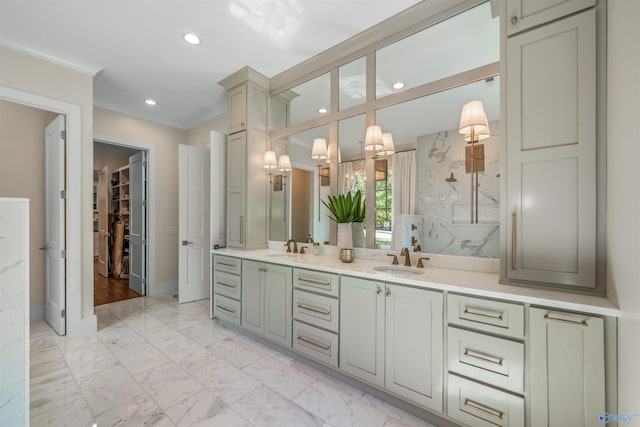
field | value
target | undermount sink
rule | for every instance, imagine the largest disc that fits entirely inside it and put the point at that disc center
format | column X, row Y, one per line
column 283, row 255
column 397, row 269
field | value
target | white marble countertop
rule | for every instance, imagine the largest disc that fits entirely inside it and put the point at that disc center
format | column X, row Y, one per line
column 484, row 284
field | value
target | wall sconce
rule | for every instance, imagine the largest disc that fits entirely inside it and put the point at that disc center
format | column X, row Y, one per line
column 387, row 145
column 474, row 125
column 373, row 139
column 270, row 161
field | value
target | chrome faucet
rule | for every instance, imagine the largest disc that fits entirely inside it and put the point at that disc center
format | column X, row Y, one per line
column 295, row 246
column 407, row 257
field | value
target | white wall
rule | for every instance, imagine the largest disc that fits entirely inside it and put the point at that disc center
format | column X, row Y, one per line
column 166, row 139
column 623, row 193
column 22, row 175
column 199, row 136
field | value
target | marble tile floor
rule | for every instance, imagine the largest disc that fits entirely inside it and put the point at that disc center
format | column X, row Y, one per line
column 154, row 362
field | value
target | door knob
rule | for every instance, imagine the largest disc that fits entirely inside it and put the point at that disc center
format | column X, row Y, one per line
column 185, row 243
column 42, row 248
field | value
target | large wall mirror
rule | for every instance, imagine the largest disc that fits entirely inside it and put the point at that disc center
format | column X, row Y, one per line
column 420, row 196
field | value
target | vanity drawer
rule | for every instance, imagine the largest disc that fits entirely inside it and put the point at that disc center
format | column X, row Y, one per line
column 316, row 281
column 486, row 315
column 318, row 310
column 226, row 309
column 228, row 284
column 316, row 343
column 496, row 361
column 479, row 405
column 228, row 264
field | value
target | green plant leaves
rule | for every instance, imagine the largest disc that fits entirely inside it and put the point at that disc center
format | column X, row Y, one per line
column 347, row 208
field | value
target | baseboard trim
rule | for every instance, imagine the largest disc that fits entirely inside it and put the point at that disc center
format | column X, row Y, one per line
column 162, row 289
column 36, row 313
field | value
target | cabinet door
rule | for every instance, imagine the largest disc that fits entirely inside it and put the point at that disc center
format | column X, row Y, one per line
column 278, row 303
column 551, row 185
column 252, row 296
column 567, row 368
column 524, row 14
column 362, row 329
column 238, row 109
column 414, row 345
column 236, row 180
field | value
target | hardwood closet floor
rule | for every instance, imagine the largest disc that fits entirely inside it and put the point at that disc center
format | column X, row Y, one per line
column 108, row 290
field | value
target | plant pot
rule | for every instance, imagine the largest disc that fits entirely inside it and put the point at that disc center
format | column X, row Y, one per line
column 345, row 236
column 357, row 232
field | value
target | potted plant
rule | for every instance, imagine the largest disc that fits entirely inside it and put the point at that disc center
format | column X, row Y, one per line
column 346, row 209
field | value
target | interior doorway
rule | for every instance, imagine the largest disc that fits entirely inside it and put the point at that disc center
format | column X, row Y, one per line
column 120, row 222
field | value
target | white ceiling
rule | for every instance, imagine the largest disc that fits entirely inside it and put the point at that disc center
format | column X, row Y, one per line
column 137, row 44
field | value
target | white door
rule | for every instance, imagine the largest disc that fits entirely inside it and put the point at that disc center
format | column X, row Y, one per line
column 138, row 222
column 193, row 224
column 55, row 225
column 103, row 222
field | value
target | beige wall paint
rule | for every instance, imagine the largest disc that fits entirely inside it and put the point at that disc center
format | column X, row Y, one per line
column 30, row 74
column 111, row 159
column 623, row 196
column 166, row 139
column 22, row 175
column 198, row 136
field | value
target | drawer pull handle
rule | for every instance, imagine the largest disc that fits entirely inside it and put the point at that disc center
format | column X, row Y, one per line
column 574, row 322
column 315, row 282
column 471, row 353
column 476, row 313
column 315, row 310
column 228, row 310
column 226, row 264
column 313, row 343
column 498, row 414
column 226, row 284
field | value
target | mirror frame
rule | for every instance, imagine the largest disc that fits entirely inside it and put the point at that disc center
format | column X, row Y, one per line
column 404, row 24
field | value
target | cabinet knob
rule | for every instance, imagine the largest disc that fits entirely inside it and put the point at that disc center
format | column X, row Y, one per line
column 379, row 291
column 514, row 20
column 388, row 293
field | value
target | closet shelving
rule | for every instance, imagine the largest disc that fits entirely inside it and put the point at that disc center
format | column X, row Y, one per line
column 120, row 209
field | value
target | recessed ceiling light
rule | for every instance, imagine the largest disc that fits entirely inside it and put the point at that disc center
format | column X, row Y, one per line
column 191, row 39
column 322, row 110
column 150, row 102
column 398, row 85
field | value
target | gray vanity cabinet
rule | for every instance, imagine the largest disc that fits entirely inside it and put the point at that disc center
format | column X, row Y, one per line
column 266, row 300
column 549, row 216
column 525, row 14
column 391, row 336
column 247, row 202
column 567, row 368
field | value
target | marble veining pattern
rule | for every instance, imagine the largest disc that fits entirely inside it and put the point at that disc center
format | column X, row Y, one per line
column 156, row 363
column 445, row 204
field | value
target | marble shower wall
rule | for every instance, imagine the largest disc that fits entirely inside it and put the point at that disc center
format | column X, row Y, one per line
column 14, row 312
column 446, row 205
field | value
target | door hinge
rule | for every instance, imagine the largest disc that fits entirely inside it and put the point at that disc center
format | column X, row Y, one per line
column 63, row 253
column 144, row 163
column 63, row 194
column 63, row 134
column 144, row 241
column 144, row 203
column 144, row 281
column 63, row 313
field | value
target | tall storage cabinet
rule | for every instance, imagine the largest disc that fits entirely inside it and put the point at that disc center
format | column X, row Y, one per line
column 391, row 336
column 550, row 213
column 567, row 368
column 247, row 203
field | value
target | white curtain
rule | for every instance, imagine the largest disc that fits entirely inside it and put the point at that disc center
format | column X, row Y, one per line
column 403, row 181
column 345, row 177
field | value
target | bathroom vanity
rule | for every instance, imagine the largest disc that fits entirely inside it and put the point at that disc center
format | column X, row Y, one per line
column 451, row 343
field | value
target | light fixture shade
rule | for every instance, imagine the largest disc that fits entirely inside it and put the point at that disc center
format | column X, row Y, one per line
column 387, row 140
column 473, row 117
column 319, row 150
column 328, row 159
column 270, row 160
column 483, row 134
column 284, row 163
column 373, row 138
